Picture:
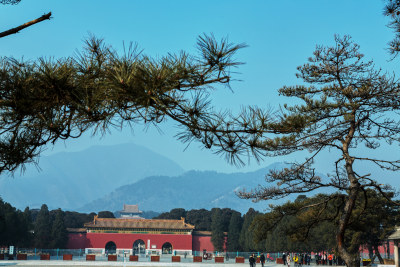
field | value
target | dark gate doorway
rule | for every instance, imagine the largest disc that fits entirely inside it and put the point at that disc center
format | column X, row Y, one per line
column 167, row 248
column 111, row 248
column 139, row 247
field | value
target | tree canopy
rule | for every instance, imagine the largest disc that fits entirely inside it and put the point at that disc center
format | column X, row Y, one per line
column 47, row 100
column 392, row 10
column 43, row 228
column 217, row 229
column 347, row 103
column 14, row 225
column 105, row 214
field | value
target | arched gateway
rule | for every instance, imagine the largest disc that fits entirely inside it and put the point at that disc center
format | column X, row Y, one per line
column 139, row 235
column 139, row 247
column 167, row 248
column 111, row 248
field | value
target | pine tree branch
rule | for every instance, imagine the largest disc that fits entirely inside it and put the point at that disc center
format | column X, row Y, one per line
column 25, row 25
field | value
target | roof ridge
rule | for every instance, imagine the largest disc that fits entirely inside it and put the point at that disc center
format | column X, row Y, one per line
column 133, row 219
column 140, row 223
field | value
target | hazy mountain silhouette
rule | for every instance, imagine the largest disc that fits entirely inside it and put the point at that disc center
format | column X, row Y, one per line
column 191, row 190
column 105, row 177
column 71, row 179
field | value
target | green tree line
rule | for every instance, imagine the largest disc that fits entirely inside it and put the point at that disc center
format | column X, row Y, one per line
column 297, row 226
column 292, row 226
column 38, row 228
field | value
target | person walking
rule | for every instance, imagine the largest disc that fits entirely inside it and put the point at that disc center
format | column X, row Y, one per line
column 252, row 260
column 330, row 259
column 262, row 259
column 288, row 260
column 308, row 259
column 296, row 260
column 284, row 258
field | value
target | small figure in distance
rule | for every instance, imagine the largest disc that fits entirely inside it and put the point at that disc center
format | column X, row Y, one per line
column 252, row 260
column 262, row 259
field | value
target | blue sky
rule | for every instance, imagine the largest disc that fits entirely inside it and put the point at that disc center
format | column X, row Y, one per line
column 281, row 36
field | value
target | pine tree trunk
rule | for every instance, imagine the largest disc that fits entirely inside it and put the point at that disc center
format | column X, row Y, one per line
column 370, row 252
column 352, row 259
column 378, row 254
column 387, row 249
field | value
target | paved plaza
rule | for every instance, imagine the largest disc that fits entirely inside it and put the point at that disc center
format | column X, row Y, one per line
column 121, row 263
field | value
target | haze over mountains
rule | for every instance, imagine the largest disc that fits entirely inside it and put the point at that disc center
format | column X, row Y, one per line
column 191, row 190
column 106, row 177
column 70, row 180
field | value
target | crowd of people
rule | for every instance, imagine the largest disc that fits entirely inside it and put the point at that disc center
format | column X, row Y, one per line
column 299, row 259
column 253, row 259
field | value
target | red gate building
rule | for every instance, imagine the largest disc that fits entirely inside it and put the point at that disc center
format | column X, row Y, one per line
column 136, row 236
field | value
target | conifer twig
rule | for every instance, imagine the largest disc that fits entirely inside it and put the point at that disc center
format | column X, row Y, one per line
column 25, row 25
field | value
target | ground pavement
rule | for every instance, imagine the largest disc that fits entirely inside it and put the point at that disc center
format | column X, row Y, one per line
column 60, row 263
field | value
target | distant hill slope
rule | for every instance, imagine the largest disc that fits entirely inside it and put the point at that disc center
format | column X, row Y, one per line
column 68, row 180
column 191, row 190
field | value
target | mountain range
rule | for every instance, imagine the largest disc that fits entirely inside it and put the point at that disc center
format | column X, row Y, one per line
column 191, row 190
column 106, row 177
column 68, row 180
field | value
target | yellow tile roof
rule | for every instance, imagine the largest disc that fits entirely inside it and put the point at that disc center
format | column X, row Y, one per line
column 122, row 223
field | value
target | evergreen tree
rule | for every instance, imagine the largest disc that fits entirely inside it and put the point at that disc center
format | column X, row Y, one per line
column 392, row 10
column 235, row 226
column 200, row 218
column 106, row 214
column 276, row 240
column 27, row 228
column 59, row 235
column 11, row 224
column 347, row 103
column 293, row 231
column 217, row 229
column 226, row 214
column 43, row 228
column 376, row 221
column 247, row 236
column 14, row 227
column 74, row 219
column 3, row 226
column 174, row 214
column 45, row 101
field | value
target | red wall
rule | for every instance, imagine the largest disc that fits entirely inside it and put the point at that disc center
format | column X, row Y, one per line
column 202, row 242
column 77, row 241
column 125, row 241
column 382, row 249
